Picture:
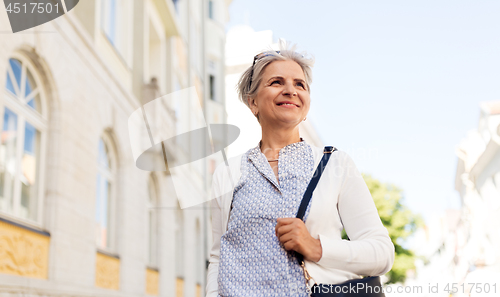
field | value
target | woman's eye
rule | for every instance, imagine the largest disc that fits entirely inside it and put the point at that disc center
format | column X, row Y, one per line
column 301, row 85
column 276, row 81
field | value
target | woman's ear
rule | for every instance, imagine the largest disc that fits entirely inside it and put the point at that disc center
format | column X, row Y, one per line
column 253, row 105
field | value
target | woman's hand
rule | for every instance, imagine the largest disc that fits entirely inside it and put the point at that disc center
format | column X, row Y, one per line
column 293, row 234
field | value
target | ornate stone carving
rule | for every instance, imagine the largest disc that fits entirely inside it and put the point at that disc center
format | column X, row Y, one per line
column 152, row 282
column 23, row 252
column 107, row 272
column 179, row 287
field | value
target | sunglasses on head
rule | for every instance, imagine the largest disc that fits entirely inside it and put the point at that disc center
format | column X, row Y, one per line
column 260, row 56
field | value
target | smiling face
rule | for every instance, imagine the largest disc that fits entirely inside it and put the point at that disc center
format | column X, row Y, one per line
column 282, row 98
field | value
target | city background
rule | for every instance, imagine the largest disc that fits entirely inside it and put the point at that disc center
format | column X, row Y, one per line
column 408, row 89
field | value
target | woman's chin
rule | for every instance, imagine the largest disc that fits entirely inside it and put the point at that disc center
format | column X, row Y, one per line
column 286, row 121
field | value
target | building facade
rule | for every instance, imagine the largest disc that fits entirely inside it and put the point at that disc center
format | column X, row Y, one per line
column 457, row 252
column 77, row 217
column 478, row 182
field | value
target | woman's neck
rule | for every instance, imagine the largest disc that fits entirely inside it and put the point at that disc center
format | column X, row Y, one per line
column 274, row 140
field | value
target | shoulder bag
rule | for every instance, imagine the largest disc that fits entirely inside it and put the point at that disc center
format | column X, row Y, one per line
column 364, row 287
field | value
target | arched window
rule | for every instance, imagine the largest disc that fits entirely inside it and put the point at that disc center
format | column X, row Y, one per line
column 24, row 129
column 152, row 205
column 104, row 216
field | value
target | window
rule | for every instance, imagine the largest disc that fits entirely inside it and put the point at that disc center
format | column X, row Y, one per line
column 104, row 195
column 23, row 132
column 109, row 20
column 115, row 23
column 152, row 222
column 211, row 81
column 211, row 9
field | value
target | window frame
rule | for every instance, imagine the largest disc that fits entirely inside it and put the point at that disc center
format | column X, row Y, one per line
column 111, row 176
column 121, row 42
column 105, row 13
column 39, row 120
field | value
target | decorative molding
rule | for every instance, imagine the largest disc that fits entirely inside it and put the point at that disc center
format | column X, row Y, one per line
column 23, row 252
column 152, row 282
column 107, row 272
column 26, row 227
column 198, row 290
column 108, row 253
column 179, row 287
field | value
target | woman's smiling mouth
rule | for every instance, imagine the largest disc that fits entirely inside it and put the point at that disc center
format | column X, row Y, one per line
column 287, row 104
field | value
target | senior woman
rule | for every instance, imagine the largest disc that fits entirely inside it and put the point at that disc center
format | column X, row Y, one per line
column 257, row 195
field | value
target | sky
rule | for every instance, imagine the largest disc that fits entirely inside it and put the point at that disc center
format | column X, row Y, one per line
column 396, row 84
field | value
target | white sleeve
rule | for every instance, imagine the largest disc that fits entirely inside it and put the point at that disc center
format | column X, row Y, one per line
column 369, row 251
column 217, row 230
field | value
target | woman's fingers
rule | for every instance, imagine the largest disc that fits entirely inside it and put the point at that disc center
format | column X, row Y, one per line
column 291, row 232
column 293, row 235
column 280, row 230
column 285, row 237
column 309, row 247
column 290, row 241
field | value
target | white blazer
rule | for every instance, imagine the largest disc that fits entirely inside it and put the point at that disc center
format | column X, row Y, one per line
column 340, row 200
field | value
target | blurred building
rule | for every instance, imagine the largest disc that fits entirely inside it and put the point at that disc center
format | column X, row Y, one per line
column 77, row 217
column 458, row 251
column 242, row 44
column 478, row 182
column 435, row 248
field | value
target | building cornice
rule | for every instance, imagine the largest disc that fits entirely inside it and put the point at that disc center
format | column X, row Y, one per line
column 492, row 148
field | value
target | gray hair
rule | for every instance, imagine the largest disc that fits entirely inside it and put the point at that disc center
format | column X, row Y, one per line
column 250, row 80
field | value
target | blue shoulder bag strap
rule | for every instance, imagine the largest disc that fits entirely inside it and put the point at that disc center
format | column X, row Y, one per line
column 368, row 283
column 327, row 152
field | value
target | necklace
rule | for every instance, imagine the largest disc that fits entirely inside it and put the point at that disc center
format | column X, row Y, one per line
column 260, row 146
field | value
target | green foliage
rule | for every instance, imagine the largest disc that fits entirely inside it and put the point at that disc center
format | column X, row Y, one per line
column 399, row 221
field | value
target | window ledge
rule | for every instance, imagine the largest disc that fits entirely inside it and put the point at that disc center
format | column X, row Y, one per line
column 23, row 224
column 154, row 268
column 108, row 253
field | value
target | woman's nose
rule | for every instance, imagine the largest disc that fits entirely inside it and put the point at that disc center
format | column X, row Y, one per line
column 289, row 90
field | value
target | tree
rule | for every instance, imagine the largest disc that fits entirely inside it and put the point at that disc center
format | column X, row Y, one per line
column 399, row 221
